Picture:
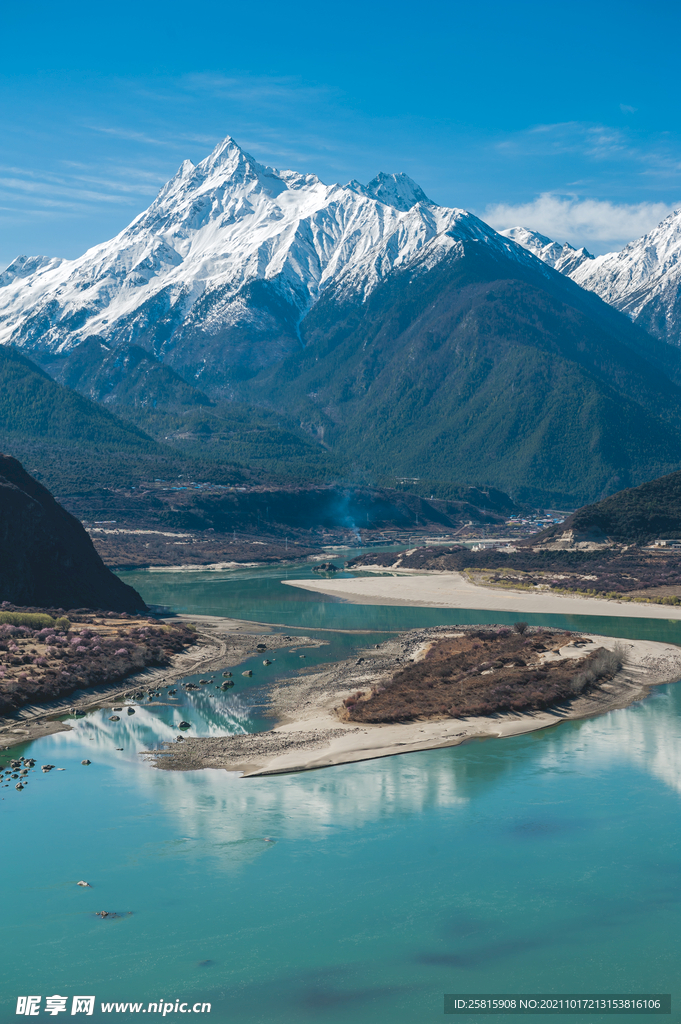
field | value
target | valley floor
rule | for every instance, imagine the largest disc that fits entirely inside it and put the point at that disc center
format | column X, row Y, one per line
column 454, row 590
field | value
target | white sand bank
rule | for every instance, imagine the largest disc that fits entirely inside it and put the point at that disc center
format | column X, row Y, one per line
column 453, row 590
column 311, row 734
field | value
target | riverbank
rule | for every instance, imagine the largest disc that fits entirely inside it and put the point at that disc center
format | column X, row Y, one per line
column 454, row 590
column 221, row 643
column 312, row 733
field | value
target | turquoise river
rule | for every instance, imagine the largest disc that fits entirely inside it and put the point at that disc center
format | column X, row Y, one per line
column 547, row 863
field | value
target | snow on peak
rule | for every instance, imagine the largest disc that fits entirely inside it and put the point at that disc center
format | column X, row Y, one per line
column 563, row 258
column 226, row 152
column 643, row 280
column 217, row 227
column 397, row 190
column 186, row 167
column 25, row 266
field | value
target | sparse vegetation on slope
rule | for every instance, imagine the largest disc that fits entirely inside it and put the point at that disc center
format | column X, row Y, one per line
column 636, row 573
column 637, row 515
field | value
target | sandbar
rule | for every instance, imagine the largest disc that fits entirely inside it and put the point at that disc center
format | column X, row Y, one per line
column 310, row 734
column 453, row 590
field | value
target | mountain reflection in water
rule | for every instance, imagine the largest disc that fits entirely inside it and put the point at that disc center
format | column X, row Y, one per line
column 357, row 894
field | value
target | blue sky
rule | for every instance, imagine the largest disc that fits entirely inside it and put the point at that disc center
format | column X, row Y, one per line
column 564, row 118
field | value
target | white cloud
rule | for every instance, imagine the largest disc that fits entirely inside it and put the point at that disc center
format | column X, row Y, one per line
column 596, row 223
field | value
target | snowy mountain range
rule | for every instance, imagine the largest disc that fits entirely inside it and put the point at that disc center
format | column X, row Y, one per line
column 643, row 280
column 369, row 327
column 563, row 258
column 217, row 274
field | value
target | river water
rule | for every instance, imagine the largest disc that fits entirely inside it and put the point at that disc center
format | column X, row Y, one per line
column 547, row 863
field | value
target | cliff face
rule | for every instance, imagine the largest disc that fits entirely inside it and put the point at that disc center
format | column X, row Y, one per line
column 46, row 557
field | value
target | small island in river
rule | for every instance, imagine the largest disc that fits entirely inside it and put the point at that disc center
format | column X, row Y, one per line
column 432, row 688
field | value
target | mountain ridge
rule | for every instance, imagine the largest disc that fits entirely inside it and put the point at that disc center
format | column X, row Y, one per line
column 636, row 515
column 643, row 280
column 342, row 309
column 231, row 253
column 462, row 371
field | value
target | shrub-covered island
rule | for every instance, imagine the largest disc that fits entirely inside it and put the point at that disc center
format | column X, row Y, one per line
column 482, row 672
column 434, row 687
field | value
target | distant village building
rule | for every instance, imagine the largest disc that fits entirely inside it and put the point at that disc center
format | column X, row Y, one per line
column 664, row 542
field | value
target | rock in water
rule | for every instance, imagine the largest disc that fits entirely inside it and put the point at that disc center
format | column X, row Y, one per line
column 185, row 725
column 115, row 718
column 131, row 711
column 86, row 761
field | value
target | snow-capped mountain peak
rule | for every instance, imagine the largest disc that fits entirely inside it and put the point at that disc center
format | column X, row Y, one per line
column 398, row 190
column 233, row 253
column 643, row 280
column 25, row 266
column 563, row 258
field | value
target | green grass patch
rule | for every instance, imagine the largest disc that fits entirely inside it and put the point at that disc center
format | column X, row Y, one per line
column 35, row 620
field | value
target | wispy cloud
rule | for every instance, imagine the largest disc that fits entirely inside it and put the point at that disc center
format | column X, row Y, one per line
column 598, row 144
column 598, row 141
column 130, row 136
column 259, row 89
column 580, row 221
column 79, row 186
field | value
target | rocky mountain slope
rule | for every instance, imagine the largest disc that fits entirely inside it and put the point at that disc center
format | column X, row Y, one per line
column 643, row 280
column 46, row 557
